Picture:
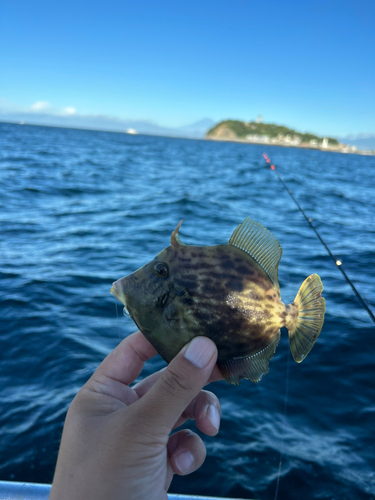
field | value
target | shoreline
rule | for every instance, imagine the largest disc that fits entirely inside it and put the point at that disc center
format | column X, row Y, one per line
column 243, row 141
column 344, row 149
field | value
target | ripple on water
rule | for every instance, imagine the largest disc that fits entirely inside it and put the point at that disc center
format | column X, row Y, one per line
column 80, row 209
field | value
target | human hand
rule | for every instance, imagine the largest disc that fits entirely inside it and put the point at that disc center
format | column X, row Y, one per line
column 116, row 442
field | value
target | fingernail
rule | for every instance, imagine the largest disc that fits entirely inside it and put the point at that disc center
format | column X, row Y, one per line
column 199, row 351
column 184, row 460
column 214, row 416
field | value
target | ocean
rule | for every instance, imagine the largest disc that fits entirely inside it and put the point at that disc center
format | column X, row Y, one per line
column 80, row 209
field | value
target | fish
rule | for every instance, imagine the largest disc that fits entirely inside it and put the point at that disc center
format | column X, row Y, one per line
column 229, row 293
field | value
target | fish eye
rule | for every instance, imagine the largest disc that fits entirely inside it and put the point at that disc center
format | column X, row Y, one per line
column 161, row 270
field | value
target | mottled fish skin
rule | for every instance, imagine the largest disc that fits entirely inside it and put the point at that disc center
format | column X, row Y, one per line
column 229, row 293
column 219, row 292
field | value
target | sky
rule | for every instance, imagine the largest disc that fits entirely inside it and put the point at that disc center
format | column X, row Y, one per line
column 308, row 65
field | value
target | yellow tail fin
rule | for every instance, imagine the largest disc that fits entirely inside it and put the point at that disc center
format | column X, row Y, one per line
column 311, row 308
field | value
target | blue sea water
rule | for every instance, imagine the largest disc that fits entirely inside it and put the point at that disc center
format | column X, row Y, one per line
column 79, row 209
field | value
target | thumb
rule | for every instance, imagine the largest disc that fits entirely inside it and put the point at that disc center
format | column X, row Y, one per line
column 179, row 384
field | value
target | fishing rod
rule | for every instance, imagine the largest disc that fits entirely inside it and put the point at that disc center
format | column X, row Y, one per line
column 338, row 262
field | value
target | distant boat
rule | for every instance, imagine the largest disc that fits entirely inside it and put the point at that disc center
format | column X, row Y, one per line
column 131, row 131
column 22, row 123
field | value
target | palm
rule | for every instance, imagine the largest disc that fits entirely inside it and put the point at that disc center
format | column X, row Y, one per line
column 131, row 427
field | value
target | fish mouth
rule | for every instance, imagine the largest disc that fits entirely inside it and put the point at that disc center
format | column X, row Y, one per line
column 118, row 293
column 121, row 297
column 126, row 311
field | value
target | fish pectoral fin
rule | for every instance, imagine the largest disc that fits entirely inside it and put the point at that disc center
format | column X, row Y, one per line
column 251, row 367
column 261, row 245
column 170, row 312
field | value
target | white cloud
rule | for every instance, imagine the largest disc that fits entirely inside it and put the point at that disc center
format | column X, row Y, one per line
column 40, row 106
column 44, row 106
column 69, row 111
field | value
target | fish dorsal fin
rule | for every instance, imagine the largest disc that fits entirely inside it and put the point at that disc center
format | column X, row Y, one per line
column 175, row 238
column 261, row 245
column 251, row 367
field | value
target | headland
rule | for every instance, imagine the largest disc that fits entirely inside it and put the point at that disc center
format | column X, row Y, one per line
column 257, row 132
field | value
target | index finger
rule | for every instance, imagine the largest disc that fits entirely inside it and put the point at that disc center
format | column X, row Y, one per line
column 126, row 361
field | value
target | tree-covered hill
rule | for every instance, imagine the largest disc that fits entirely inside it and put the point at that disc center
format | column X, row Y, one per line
column 248, row 130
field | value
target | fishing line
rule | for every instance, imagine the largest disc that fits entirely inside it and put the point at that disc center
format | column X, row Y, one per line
column 338, row 262
column 282, row 450
column 118, row 322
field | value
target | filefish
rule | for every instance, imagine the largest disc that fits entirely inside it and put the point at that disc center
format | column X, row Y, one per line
column 229, row 293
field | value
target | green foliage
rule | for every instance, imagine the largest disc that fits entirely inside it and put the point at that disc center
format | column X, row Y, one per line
column 243, row 129
column 333, row 142
column 239, row 128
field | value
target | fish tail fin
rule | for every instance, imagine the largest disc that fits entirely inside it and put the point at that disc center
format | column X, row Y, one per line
column 306, row 317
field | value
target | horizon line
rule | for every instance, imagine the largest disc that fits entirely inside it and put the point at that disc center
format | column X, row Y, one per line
column 359, row 151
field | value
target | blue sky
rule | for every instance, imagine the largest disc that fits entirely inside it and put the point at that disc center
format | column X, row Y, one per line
column 309, row 65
